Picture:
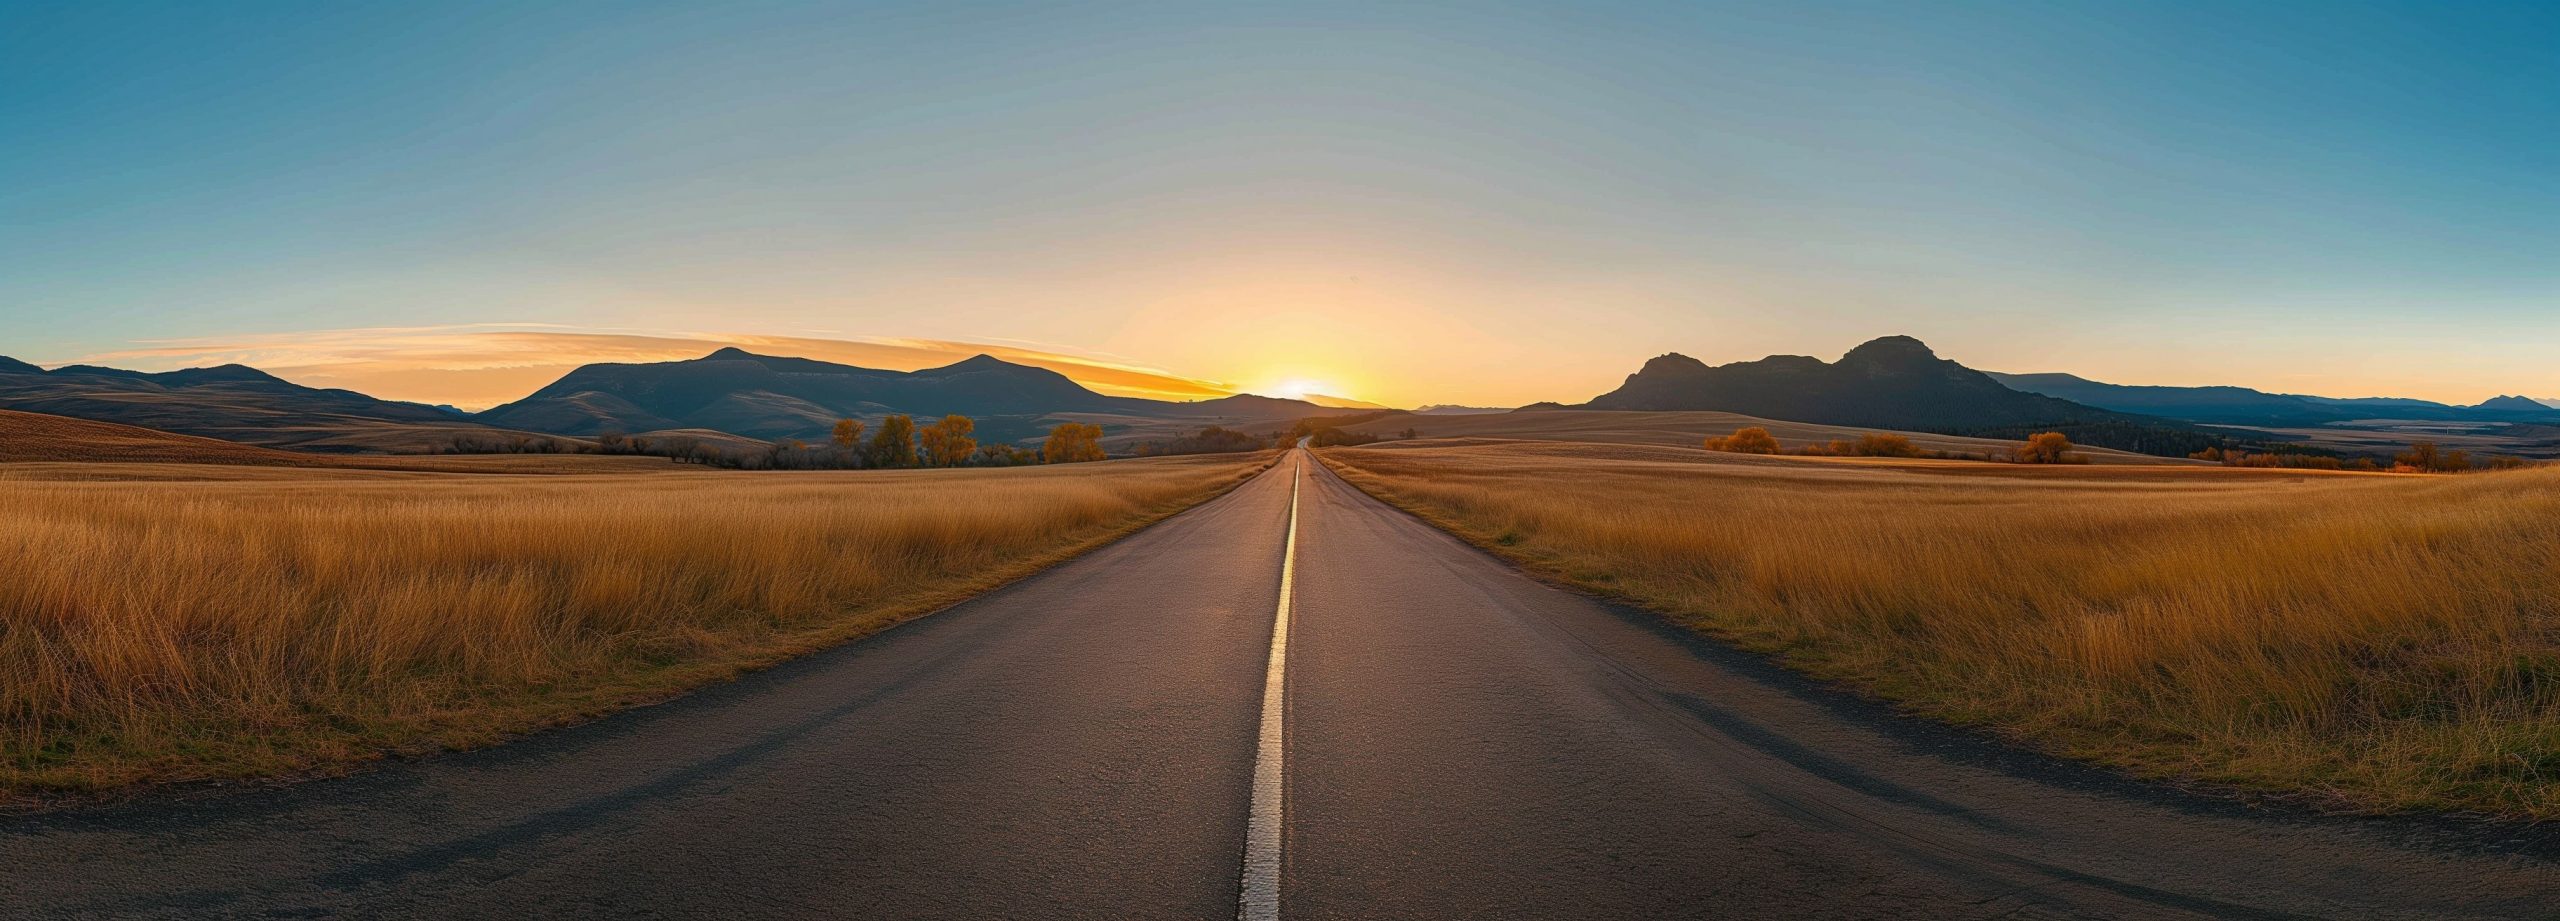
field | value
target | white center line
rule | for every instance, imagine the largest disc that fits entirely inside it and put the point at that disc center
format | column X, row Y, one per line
column 1260, row 900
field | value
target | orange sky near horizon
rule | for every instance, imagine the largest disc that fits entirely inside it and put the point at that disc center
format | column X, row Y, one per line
column 1272, row 353
column 476, row 367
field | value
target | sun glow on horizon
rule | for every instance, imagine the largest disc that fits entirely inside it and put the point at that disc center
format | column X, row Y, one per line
column 1294, row 389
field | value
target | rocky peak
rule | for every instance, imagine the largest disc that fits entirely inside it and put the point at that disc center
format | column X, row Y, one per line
column 1671, row 363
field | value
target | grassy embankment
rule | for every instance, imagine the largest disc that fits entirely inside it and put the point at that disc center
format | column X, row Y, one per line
column 2373, row 642
column 163, row 622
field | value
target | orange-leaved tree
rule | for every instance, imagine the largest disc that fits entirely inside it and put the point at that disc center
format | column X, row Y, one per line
column 848, row 433
column 895, row 444
column 947, row 442
column 1072, row 442
column 2045, row 448
column 2427, row 457
column 2422, row 455
column 1746, row 440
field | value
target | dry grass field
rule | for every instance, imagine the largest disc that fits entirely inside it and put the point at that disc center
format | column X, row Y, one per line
column 40, row 437
column 2362, row 641
column 1682, row 429
column 72, row 445
column 2385, row 437
column 166, row 622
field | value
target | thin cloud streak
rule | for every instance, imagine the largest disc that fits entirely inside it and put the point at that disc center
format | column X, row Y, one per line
column 482, row 365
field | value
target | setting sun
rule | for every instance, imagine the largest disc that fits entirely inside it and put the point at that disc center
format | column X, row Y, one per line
column 1295, row 389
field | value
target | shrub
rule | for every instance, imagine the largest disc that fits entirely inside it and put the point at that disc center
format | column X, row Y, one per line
column 1746, row 440
column 1211, row 440
column 1884, row 446
column 2045, row 448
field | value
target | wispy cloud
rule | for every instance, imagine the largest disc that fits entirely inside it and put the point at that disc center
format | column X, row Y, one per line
column 483, row 365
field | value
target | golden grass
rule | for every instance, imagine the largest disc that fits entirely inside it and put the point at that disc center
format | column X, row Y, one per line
column 2373, row 642
column 1686, row 429
column 245, row 621
column 28, row 436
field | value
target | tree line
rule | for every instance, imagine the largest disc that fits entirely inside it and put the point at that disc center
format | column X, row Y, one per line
column 2057, row 448
column 898, row 443
column 2039, row 448
column 2421, row 457
column 2138, row 437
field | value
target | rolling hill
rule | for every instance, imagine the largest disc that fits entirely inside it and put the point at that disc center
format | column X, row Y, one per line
column 1334, row 402
column 28, row 436
column 234, row 403
column 764, row 396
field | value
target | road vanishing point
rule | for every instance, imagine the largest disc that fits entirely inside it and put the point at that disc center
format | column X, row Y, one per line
column 1291, row 702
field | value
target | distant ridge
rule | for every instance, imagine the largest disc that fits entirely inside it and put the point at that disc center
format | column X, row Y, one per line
column 765, row 396
column 2215, row 405
column 731, row 392
column 1334, row 402
column 2514, row 404
column 2243, row 406
column 1895, row 382
column 231, row 402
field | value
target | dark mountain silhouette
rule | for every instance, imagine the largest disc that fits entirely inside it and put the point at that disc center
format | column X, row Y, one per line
column 2215, row 405
column 1892, row 383
column 230, row 402
column 2244, row 406
column 766, row 396
column 2516, row 404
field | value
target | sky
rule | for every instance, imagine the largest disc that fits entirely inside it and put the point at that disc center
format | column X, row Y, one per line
column 1486, row 204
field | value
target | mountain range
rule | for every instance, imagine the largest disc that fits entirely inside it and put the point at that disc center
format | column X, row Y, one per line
column 1895, row 382
column 231, row 402
column 766, row 396
column 2243, row 406
column 730, row 392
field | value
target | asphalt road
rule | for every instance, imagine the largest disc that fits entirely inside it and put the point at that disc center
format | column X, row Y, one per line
column 1459, row 742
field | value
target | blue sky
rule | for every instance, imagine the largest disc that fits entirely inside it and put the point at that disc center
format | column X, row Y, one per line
column 1490, row 203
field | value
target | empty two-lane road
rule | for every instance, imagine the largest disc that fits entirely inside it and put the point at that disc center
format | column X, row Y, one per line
column 1291, row 702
